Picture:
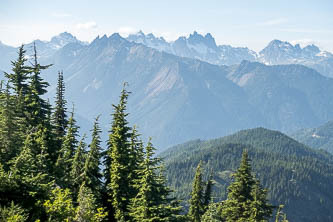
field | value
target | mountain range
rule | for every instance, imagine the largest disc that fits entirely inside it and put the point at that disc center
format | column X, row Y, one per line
column 204, row 48
column 175, row 98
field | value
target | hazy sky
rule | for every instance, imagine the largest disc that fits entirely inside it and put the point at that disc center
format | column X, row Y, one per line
column 251, row 23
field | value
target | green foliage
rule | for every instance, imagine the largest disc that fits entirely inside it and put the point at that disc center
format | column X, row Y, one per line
column 197, row 197
column 92, row 175
column 118, row 152
column 87, row 209
column 76, row 174
column 66, row 154
column 59, row 117
column 280, row 215
column 60, row 206
column 13, row 213
column 37, row 107
column 246, row 200
column 152, row 203
column 213, row 213
column 289, row 170
column 20, row 74
column 11, row 126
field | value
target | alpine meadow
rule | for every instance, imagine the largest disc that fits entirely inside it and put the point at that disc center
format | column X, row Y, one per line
column 166, row 111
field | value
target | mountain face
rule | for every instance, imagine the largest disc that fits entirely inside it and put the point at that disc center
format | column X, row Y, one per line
column 196, row 46
column 278, row 52
column 318, row 138
column 289, row 170
column 176, row 99
column 171, row 95
column 204, row 48
column 287, row 96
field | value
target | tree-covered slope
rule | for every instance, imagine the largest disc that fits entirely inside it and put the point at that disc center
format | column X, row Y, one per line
column 319, row 138
column 296, row 176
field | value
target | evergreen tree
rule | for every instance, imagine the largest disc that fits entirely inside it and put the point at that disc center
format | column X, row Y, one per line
column 208, row 192
column 88, row 209
column 31, row 173
column 20, row 74
column 261, row 210
column 13, row 213
column 37, row 107
column 118, row 160
column 66, row 154
column 59, row 116
column 246, row 200
column 60, row 206
column 280, row 215
column 152, row 203
column 197, row 207
column 213, row 213
column 77, row 164
column 11, row 126
column 92, row 175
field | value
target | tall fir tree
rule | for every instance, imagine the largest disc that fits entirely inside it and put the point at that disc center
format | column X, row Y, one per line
column 37, row 107
column 92, row 175
column 246, row 200
column 11, row 126
column 117, row 160
column 78, row 161
column 88, row 209
column 59, row 117
column 208, row 192
column 20, row 74
column 152, row 202
column 66, row 153
column 197, row 207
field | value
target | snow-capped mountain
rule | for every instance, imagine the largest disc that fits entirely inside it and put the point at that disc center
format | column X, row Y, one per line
column 203, row 47
column 196, row 46
column 48, row 48
column 279, row 52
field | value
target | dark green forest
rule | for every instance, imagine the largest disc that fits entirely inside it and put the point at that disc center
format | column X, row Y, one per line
column 295, row 175
column 50, row 173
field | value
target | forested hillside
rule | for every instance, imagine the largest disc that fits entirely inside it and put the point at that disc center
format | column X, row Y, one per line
column 295, row 175
column 319, row 138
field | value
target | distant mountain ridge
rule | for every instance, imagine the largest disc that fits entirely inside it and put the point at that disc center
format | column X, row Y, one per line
column 204, row 48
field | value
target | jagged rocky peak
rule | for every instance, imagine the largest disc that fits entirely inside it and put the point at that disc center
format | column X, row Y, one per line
column 197, row 38
column 63, row 39
column 311, row 48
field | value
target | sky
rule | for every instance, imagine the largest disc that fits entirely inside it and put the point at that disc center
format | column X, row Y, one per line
column 246, row 23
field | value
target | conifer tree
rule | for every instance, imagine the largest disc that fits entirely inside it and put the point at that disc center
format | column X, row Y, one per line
column 117, row 160
column 31, row 172
column 88, row 210
column 152, row 202
column 92, row 175
column 59, row 116
column 246, row 200
column 13, row 213
column 19, row 77
column 77, row 165
column 208, row 192
column 11, row 126
column 37, row 107
column 261, row 210
column 197, row 207
column 59, row 207
column 67, row 151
